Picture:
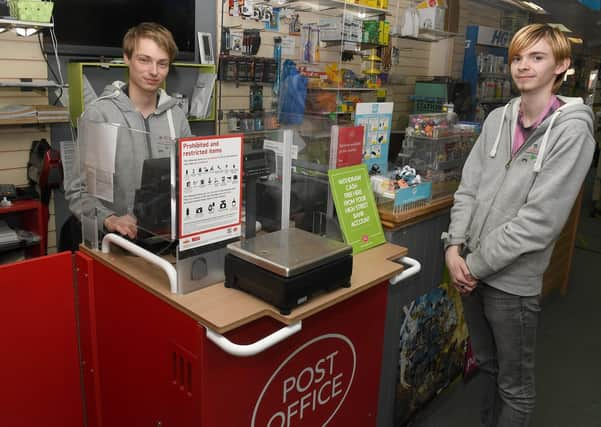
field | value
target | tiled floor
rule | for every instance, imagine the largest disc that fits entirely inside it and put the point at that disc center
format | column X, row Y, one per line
column 568, row 351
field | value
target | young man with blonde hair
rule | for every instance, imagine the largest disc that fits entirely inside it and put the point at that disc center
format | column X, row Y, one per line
column 140, row 105
column 517, row 189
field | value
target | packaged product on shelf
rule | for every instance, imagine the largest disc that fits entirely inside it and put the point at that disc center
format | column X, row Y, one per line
column 401, row 190
column 434, row 125
column 440, row 160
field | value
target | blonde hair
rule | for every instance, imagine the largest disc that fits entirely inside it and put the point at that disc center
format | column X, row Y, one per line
column 532, row 34
column 153, row 31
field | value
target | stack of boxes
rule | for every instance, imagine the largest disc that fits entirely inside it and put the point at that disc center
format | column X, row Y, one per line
column 346, row 27
column 432, row 14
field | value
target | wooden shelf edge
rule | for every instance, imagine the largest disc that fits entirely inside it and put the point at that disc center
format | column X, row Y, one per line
column 392, row 222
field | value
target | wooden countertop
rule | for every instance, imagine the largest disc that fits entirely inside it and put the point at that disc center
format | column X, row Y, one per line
column 392, row 222
column 223, row 309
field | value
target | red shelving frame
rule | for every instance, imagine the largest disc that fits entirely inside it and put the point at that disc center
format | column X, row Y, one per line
column 33, row 216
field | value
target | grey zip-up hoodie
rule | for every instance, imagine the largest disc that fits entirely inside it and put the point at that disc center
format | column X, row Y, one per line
column 137, row 139
column 509, row 211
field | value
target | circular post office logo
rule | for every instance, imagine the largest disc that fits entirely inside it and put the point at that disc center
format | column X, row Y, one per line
column 309, row 387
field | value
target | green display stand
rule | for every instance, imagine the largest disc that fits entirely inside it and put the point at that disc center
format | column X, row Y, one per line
column 181, row 79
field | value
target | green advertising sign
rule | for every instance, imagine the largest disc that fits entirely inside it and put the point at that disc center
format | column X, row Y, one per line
column 356, row 207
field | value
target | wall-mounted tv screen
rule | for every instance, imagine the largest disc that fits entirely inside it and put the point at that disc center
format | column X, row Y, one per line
column 97, row 27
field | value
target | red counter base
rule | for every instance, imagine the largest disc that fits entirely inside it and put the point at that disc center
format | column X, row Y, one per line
column 39, row 369
column 149, row 362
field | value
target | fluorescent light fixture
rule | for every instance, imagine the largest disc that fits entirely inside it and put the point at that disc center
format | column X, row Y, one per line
column 560, row 27
column 575, row 40
column 361, row 14
column 26, row 32
column 533, row 6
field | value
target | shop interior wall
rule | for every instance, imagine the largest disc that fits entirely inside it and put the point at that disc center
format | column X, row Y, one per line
column 235, row 97
column 472, row 13
column 417, row 59
column 20, row 57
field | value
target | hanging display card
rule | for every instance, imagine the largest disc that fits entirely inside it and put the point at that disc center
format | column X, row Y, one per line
column 210, row 190
column 356, row 207
column 376, row 118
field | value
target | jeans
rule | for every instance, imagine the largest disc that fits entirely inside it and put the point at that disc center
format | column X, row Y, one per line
column 502, row 330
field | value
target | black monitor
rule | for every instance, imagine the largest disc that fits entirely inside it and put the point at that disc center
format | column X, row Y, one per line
column 152, row 201
column 308, row 197
column 97, row 27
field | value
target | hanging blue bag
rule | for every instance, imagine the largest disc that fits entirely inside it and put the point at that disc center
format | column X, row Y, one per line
column 293, row 93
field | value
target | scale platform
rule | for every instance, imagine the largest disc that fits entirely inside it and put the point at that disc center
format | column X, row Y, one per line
column 287, row 267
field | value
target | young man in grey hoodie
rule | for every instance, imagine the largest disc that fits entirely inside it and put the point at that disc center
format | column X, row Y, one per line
column 147, row 118
column 517, row 189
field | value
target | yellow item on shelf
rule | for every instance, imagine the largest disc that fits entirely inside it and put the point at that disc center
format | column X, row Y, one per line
column 384, row 33
column 334, row 74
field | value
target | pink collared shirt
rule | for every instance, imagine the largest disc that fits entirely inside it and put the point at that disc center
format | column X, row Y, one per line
column 522, row 133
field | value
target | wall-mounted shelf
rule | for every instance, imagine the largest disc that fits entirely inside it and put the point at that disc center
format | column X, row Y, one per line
column 255, row 132
column 316, row 6
column 28, row 215
column 42, row 84
column 427, row 35
column 20, row 122
column 16, row 115
column 328, row 113
column 360, row 45
column 23, row 28
column 344, row 89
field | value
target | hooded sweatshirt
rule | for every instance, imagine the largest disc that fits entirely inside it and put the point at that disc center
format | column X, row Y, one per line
column 509, row 210
column 137, row 139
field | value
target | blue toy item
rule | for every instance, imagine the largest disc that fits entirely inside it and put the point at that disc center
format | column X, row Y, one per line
column 293, row 93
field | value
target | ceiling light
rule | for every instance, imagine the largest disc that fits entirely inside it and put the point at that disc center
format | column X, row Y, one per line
column 533, row 6
column 26, row 32
column 560, row 27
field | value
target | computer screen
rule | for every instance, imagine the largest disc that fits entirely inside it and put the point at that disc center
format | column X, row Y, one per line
column 152, row 201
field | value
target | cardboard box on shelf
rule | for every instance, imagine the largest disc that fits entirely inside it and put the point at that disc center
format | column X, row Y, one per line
column 432, row 18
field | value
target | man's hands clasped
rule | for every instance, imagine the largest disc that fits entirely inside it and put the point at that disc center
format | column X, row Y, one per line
column 461, row 277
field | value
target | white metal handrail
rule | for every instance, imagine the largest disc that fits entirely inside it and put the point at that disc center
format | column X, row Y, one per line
column 414, row 268
column 256, row 347
column 167, row 267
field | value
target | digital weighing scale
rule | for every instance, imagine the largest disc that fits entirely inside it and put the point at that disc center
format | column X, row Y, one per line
column 287, row 267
